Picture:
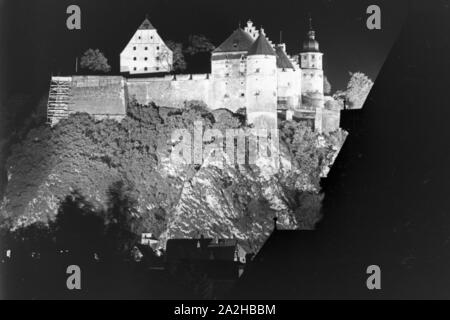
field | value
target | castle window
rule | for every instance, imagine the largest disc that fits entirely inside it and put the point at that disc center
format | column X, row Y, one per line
column 242, row 94
column 157, row 68
column 227, row 74
column 313, row 56
column 134, row 68
column 146, row 48
column 145, row 69
column 257, row 70
column 313, row 65
column 139, row 37
column 145, row 58
column 158, row 58
column 226, row 96
column 157, row 48
column 134, row 58
column 134, row 48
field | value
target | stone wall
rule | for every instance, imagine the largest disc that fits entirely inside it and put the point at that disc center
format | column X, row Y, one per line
column 330, row 120
column 101, row 96
column 170, row 91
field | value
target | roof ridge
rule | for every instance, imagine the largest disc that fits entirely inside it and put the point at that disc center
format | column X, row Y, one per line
column 146, row 25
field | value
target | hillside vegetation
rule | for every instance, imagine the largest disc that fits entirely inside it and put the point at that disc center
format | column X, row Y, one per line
column 88, row 157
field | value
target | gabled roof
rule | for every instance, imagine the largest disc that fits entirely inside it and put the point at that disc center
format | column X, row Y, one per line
column 283, row 61
column 238, row 41
column 261, row 46
column 146, row 25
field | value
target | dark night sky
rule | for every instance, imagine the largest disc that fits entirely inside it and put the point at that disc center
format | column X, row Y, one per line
column 35, row 41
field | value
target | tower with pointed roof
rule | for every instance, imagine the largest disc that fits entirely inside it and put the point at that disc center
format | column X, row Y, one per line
column 228, row 71
column 261, row 89
column 146, row 52
column 311, row 64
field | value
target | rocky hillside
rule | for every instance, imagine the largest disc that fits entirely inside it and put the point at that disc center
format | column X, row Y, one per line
column 172, row 200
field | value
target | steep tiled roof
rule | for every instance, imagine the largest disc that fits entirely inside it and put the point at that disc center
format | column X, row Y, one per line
column 261, row 47
column 146, row 25
column 283, row 61
column 238, row 41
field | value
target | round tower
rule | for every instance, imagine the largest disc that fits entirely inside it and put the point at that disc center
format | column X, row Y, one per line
column 261, row 89
column 311, row 64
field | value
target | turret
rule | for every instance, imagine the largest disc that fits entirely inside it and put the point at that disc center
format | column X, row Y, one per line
column 261, row 90
column 311, row 64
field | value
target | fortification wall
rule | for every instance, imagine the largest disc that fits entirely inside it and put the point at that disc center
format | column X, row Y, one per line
column 101, row 96
column 330, row 120
column 289, row 88
column 170, row 91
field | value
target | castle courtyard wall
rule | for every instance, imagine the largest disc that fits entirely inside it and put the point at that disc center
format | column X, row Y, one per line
column 100, row 96
column 170, row 91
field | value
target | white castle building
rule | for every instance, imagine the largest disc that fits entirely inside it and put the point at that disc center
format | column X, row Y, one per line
column 247, row 71
column 146, row 52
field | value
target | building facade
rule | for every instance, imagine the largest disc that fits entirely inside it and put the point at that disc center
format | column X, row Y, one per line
column 146, row 52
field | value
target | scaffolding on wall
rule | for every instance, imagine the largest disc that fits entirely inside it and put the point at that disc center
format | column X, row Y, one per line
column 59, row 99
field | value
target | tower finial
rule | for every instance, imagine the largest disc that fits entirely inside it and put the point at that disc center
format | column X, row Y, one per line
column 310, row 21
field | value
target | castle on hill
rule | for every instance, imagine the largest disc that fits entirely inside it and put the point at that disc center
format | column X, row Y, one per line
column 247, row 71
